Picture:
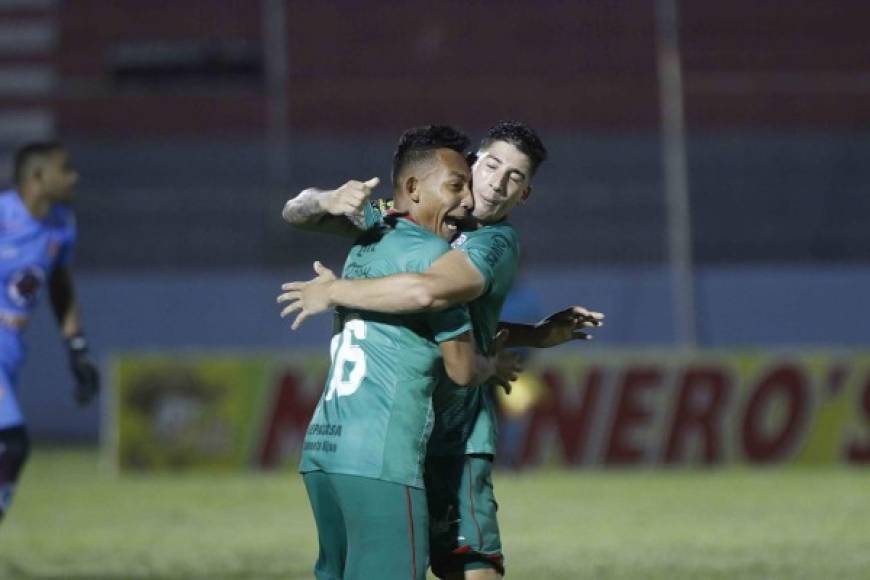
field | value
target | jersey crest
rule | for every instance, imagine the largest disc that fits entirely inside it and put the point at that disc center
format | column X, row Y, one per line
column 23, row 286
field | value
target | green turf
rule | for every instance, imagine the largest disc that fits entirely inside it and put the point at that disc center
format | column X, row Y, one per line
column 73, row 521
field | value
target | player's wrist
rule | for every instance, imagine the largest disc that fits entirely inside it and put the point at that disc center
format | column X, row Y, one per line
column 334, row 289
column 537, row 335
column 485, row 367
column 325, row 199
column 77, row 344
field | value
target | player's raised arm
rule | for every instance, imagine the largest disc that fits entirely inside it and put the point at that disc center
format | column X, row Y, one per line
column 335, row 211
column 559, row 328
column 66, row 310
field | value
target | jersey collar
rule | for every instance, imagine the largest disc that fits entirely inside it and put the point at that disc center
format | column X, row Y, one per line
column 401, row 214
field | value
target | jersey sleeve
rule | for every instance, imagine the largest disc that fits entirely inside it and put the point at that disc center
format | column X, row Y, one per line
column 448, row 324
column 494, row 252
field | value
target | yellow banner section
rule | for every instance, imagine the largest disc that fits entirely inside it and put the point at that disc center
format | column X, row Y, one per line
column 223, row 411
column 179, row 412
column 675, row 408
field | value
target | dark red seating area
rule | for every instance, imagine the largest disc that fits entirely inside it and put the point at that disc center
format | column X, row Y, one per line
column 567, row 65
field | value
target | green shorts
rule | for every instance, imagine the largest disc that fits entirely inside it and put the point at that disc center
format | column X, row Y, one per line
column 463, row 534
column 368, row 528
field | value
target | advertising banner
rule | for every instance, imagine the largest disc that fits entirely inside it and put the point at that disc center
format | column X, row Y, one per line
column 229, row 411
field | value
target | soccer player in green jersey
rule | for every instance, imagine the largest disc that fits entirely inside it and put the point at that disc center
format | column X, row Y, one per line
column 465, row 540
column 363, row 454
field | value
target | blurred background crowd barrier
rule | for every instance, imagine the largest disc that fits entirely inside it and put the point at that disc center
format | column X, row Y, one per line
column 192, row 122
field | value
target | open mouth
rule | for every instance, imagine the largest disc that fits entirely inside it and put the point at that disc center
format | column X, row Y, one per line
column 452, row 223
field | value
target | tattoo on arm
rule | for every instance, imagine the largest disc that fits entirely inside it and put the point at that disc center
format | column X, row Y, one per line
column 304, row 209
column 305, row 212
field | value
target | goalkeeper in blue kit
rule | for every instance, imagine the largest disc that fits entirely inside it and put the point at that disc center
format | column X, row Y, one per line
column 37, row 235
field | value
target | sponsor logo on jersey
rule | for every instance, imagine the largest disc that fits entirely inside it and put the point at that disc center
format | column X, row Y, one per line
column 383, row 206
column 23, row 286
column 496, row 250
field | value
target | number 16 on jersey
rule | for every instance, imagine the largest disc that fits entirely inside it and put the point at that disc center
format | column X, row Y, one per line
column 345, row 350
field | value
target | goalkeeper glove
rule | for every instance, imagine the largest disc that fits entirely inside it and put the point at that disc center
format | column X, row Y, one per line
column 84, row 370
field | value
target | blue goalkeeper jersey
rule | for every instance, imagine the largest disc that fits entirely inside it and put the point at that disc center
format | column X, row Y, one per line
column 30, row 250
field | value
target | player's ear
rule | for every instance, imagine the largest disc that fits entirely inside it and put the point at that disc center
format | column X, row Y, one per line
column 412, row 189
column 526, row 193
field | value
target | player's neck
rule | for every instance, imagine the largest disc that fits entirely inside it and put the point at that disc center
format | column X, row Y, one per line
column 400, row 204
column 492, row 222
column 37, row 206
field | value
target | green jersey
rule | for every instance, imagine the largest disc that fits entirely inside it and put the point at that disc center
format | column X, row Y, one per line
column 465, row 419
column 375, row 414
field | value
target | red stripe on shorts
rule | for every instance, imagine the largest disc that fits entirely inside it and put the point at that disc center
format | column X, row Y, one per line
column 411, row 534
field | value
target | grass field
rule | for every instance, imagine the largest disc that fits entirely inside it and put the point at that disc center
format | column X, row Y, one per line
column 72, row 521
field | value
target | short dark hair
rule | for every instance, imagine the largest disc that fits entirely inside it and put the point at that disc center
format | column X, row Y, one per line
column 29, row 153
column 520, row 136
column 420, row 142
